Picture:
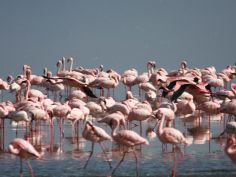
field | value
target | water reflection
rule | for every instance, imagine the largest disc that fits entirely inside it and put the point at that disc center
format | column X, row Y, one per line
column 200, row 134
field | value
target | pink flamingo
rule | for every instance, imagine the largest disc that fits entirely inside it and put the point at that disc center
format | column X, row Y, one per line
column 140, row 112
column 24, row 150
column 119, row 107
column 169, row 114
column 128, row 78
column 19, row 116
column 75, row 116
column 185, row 106
column 119, row 116
column 169, row 135
column 108, row 81
column 61, row 111
column 77, row 94
column 95, row 134
column 74, row 82
column 151, row 65
column 126, row 138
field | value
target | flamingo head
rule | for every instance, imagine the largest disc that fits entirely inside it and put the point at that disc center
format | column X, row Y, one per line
column 69, row 59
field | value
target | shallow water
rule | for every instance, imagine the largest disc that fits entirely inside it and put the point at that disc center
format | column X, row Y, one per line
column 63, row 158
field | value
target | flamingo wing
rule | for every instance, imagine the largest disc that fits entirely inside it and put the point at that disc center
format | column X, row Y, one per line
column 25, row 146
column 173, row 136
column 129, row 138
column 101, row 133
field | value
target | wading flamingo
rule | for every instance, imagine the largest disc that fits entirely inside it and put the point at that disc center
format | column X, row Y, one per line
column 95, row 134
column 169, row 135
column 127, row 138
column 24, row 150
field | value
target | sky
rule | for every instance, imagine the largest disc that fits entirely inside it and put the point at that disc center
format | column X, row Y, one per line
column 118, row 34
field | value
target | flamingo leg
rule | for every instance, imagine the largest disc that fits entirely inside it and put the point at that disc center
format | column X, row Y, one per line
column 136, row 161
column 73, row 131
column 141, row 128
column 51, row 135
column 30, row 169
column 103, row 149
column 21, row 168
column 113, row 92
column 174, row 167
column 119, row 163
column 176, row 161
column 209, row 124
column 3, row 133
column 91, row 153
column 77, row 131
column 16, row 129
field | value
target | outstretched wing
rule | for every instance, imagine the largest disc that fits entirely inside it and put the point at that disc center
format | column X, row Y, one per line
column 88, row 92
column 179, row 92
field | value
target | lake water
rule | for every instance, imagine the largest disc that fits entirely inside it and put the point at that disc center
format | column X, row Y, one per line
column 63, row 158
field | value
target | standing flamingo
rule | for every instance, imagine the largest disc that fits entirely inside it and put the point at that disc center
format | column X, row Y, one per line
column 23, row 149
column 169, row 135
column 127, row 138
column 95, row 134
column 61, row 111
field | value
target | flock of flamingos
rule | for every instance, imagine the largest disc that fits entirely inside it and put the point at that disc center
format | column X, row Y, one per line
column 90, row 102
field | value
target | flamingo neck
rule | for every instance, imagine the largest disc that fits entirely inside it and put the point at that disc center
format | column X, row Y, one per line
column 27, row 90
column 160, row 126
column 45, row 70
column 59, row 67
column 149, row 70
column 114, row 128
column 71, row 65
column 63, row 64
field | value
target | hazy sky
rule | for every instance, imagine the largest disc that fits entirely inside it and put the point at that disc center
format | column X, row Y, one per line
column 119, row 34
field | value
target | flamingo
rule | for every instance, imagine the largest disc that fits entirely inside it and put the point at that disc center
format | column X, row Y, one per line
column 76, row 94
column 128, row 78
column 19, row 116
column 52, row 85
column 109, row 80
column 24, row 150
column 61, row 111
column 74, row 116
column 169, row 114
column 151, row 65
column 140, row 112
column 96, row 109
column 126, row 138
column 119, row 107
column 90, row 71
column 118, row 116
column 95, row 134
column 201, row 91
column 185, row 106
column 74, row 82
column 169, row 135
